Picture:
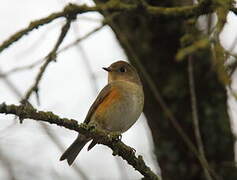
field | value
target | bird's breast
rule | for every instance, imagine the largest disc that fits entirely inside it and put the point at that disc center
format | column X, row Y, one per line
column 121, row 108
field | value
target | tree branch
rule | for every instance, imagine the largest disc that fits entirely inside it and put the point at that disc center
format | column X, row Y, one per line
column 102, row 137
column 61, row 148
column 164, row 106
column 41, row 60
column 73, row 10
column 51, row 56
column 51, row 135
column 20, row 69
column 75, row 42
column 195, row 115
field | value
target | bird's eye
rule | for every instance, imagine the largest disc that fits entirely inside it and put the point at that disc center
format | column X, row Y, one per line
column 122, row 69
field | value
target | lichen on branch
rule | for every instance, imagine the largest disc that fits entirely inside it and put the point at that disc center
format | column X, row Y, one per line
column 72, row 10
column 101, row 137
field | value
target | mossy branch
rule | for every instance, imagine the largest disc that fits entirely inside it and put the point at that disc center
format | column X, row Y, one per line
column 72, row 10
column 101, row 137
column 201, row 44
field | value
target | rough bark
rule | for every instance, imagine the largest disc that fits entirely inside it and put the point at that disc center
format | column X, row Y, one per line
column 154, row 42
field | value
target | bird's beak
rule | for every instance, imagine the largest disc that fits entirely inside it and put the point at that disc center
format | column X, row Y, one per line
column 107, row 69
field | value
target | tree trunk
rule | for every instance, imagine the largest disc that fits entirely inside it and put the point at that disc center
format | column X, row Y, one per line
column 154, row 42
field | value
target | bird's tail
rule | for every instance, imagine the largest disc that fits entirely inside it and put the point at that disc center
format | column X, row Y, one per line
column 71, row 153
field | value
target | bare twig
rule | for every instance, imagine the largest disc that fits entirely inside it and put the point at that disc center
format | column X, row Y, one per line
column 51, row 56
column 52, row 136
column 10, row 85
column 19, row 69
column 59, row 145
column 87, row 64
column 113, row 6
column 195, row 115
column 103, row 24
column 75, row 42
column 70, row 45
column 102, row 137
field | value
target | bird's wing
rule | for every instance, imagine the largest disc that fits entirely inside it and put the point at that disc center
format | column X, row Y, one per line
column 100, row 98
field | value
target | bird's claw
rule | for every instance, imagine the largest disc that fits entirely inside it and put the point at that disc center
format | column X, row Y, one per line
column 115, row 136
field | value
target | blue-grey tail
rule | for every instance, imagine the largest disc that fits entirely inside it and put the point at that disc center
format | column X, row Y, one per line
column 71, row 153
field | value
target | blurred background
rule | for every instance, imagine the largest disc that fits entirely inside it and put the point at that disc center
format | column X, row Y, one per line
column 68, row 88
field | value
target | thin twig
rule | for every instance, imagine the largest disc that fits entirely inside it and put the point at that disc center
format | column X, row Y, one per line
column 51, row 56
column 195, row 115
column 65, row 48
column 87, row 64
column 52, row 136
column 19, row 69
column 59, row 145
column 10, row 85
column 102, row 137
column 75, row 42
column 113, row 6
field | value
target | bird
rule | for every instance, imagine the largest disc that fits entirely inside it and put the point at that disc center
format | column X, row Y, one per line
column 116, row 108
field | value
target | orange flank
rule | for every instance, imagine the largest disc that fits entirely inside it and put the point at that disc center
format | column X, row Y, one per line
column 109, row 99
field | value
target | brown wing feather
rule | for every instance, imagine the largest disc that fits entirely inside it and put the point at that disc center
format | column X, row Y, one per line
column 102, row 95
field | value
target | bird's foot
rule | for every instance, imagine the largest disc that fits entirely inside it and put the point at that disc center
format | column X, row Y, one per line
column 115, row 136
